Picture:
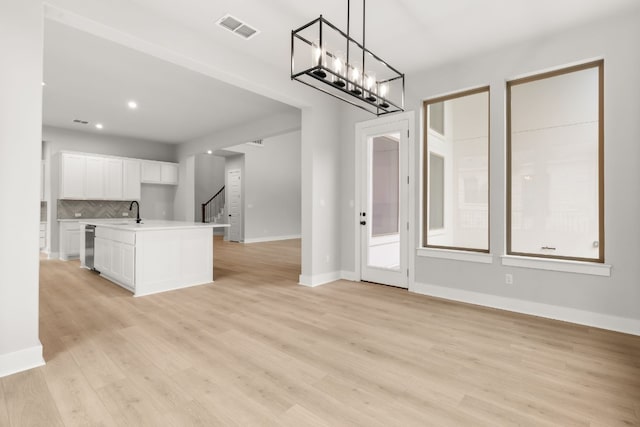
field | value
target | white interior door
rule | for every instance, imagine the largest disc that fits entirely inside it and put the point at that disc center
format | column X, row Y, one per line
column 235, row 205
column 384, row 191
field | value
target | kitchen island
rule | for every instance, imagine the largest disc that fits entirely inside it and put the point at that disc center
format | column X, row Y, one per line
column 153, row 256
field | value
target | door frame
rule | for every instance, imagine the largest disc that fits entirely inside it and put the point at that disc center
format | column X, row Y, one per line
column 360, row 130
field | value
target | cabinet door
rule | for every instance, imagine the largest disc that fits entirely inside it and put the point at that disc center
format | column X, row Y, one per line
column 128, row 265
column 99, row 250
column 72, row 176
column 131, row 180
column 169, row 173
column 114, row 179
column 72, row 243
column 94, row 177
column 117, row 267
column 151, row 172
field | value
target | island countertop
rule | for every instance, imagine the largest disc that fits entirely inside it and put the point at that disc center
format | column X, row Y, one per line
column 151, row 225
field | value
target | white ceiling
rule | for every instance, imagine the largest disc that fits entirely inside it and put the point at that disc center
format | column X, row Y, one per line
column 409, row 34
column 91, row 79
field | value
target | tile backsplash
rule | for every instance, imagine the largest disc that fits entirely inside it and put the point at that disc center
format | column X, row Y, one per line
column 67, row 209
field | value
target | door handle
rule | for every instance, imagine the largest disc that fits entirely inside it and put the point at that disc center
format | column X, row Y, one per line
column 229, row 214
column 363, row 222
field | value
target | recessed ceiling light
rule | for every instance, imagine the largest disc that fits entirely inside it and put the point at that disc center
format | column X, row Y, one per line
column 132, row 104
column 44, row 84
column 99, row 125
column 209, row 152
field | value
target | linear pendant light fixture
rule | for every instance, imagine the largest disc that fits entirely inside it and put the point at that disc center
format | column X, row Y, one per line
column 327, row 59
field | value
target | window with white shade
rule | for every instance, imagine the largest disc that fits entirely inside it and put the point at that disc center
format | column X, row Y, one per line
column 456, row 171
column 555, row 186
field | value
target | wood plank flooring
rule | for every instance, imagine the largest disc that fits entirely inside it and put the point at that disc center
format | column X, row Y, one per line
column 255, row 348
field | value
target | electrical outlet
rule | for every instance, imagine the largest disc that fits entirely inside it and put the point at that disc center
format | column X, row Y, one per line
column 508, row 279
column 125, row 213
column 78, row 214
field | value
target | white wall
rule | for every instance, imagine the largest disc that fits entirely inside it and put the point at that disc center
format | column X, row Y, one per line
column 90, row 142
column 209, row 178
column 607, row 301
column 156, row 201
column 272, row 196
column 21, row 30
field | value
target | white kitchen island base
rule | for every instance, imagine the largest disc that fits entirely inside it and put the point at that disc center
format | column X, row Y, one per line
column 156, row 256
column 173, row 259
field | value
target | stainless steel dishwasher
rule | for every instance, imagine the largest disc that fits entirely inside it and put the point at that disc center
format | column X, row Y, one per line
column 89, row 245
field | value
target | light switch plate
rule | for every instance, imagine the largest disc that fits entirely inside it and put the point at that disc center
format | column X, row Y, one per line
column 78, row 214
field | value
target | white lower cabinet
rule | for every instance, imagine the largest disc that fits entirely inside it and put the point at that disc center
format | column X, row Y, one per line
column 69, row 239
column 43, row 235
column 115, row 256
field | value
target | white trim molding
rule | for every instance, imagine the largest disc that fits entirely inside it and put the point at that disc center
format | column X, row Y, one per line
column 21, row 360
column 272, row 238
column 567, row 266
column 470, row 256
column 349, row 275
column 319, row 279
column 565, row 314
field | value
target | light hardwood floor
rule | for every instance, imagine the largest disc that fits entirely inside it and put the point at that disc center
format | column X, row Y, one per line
column 254, row 348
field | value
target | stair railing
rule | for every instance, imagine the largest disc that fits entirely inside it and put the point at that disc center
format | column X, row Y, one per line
column 213, row 207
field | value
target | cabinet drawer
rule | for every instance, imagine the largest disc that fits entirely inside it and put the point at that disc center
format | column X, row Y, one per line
column 71, row 226
column 127, row 237
column 122, row 236
column 103, row 233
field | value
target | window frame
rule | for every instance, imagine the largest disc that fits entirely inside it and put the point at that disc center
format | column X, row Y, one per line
column 599, row 64
column 425, row 168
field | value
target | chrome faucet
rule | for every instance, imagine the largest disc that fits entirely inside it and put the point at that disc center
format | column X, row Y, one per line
column 138, row 220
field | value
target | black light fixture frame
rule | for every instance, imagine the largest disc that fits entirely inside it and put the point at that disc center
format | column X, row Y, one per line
column 377, row 104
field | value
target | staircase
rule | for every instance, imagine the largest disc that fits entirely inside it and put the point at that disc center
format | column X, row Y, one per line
column 213, row 209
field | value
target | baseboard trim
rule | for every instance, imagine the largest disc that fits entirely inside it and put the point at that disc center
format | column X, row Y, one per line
column 349, row 275
column 565, row 314
column 21, row 360
column 319, row 279
column 272, row 238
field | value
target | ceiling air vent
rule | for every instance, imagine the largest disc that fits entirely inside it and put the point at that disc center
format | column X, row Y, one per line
column 237, row 27
column 80, row 122
column 257, row 143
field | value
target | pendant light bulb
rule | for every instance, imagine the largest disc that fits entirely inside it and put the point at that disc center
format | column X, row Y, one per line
column 370, row 85
column 318, row 58
column 356, row 80
column 338, row 68
column 384, row 90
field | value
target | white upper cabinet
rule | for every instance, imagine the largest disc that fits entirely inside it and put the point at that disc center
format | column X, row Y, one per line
column 131, row 187
column 114, row 179
column 151, row 172
column 159, row 172
column 72, row 182
column 94, row 178
column 169, row 173
column 88, row 177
